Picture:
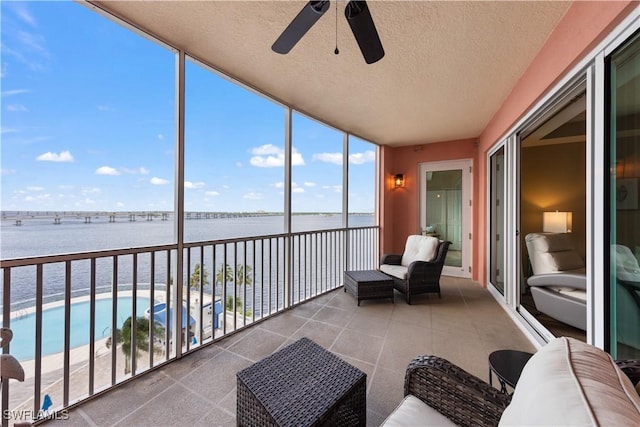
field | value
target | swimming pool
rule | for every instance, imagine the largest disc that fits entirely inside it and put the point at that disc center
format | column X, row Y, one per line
column 23, row 343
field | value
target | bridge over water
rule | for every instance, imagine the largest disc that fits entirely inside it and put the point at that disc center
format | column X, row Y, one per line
column 58, row 217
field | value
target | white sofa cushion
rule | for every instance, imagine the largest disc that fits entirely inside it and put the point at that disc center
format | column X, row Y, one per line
column 414, row 412
column 419, row 248
column 569, row 382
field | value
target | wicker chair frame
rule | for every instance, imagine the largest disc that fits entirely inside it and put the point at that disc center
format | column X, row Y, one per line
column 464, row 398
column 422, row 276
column 460, row 396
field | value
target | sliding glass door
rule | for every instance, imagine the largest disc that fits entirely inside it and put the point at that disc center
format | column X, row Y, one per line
column 552, row 183
column 624, row 206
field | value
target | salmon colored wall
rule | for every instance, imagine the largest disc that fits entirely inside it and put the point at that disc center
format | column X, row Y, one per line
column 584, row 25
column 401, row 205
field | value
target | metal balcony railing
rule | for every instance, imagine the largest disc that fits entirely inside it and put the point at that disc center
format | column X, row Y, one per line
column 85, row 322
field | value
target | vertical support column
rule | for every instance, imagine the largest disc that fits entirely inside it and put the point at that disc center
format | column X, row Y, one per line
column 345, row 198
column 6, row 316
column 179, row 203
column 288, row 148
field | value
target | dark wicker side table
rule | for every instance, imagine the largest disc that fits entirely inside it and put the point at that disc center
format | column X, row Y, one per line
column 301, row 385
column 507, row 365
column 368, row 284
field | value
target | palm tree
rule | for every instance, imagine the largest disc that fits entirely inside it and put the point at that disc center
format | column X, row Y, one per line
column 243, row 275
column 142, row 338
column 194, row 281
column 224, row 274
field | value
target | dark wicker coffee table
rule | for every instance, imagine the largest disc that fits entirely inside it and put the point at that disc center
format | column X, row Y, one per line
column 368, row 284
column 301, row 385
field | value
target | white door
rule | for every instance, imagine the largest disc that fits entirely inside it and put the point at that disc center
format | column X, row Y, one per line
column 445, row 210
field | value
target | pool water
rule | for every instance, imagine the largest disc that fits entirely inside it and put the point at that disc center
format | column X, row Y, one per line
column 23, row 346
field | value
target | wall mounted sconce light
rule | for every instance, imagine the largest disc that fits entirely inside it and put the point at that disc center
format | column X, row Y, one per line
column 398, row 180
column 557, row 222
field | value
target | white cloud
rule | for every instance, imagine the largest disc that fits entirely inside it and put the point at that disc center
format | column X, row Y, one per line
column 360, row 158
column 90, row 190
column 14, row 92
column 38, row 198
column 295, row 188
column 211, row 193
column 193, row 185
column 335, row 188
column 64, row 156
column 7, row 171
column 107, row 170
column 270, row 156
column 266, row 149
column 310, row 184
column 120, row 204
column 16, row 108
column 253, row 196
column 158, row 181
column 160, row 136
column 139, row 171
column 35, row 188
column 335, row 158
column 21, row 11
column 104, row 108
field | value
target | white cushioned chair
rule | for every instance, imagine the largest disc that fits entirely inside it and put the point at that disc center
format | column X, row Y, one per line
column 567, row 382
column 417, row 270
column 558, row 284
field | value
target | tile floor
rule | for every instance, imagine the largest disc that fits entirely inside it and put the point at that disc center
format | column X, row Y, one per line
column 378, row 337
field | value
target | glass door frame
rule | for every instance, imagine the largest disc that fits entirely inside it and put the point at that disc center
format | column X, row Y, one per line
column 466, row 166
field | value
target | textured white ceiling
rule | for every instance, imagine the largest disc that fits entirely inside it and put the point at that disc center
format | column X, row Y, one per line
column 448, row 67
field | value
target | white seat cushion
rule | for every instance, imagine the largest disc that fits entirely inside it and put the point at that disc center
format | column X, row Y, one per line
column 419, row 248
column 568, row 383
column 414, row 412
column 399, row 271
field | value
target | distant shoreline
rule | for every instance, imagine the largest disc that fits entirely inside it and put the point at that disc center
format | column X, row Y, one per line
column 13, row 214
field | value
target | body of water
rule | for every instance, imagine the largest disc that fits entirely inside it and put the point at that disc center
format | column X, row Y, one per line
column 38, row 237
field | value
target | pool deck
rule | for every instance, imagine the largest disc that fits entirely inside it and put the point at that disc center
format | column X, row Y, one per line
column 52, row 365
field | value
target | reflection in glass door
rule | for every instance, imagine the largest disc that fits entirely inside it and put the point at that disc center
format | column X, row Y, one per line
column 445, row 206
column 624, row 211
column 496, row 267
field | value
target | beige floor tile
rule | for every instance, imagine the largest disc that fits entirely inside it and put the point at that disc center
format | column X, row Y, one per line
column 378, row 337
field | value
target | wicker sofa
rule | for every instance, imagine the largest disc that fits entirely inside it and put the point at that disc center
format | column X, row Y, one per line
column 567, row 382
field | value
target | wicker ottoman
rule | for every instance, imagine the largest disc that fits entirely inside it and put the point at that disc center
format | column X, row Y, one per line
column 368, row 284
column 301, row 385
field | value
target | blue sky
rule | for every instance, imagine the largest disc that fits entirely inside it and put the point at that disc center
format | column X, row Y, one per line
column 87, row 123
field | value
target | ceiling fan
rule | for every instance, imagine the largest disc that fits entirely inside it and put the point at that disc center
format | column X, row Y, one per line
column 358, row 17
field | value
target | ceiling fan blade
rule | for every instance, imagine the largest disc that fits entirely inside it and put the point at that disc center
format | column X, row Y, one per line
column 364, row 30
column 308, row 16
